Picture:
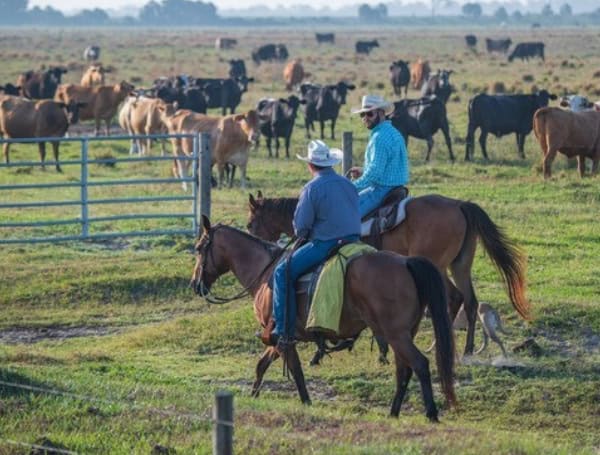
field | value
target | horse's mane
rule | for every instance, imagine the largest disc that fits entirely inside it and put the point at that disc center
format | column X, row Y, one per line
column 272, row 248
column 285, row 205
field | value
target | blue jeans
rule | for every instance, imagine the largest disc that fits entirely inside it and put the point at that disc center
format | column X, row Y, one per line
column 303, row 259
column 370, row 198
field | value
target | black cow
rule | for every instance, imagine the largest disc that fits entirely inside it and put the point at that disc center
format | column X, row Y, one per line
column 471, row 41
column 524, row 51
column 422, row 118
column 270, row 52
column 501, row 115
column 365, row 47
column 400, row 76
column 224, row 93
column 325, row 38
column 40, row 84
column 438, row 84
column 10, row 89
column 186, row 96
column 276, row 119
column 237, row 68
column 497, row 45
column 322, row 104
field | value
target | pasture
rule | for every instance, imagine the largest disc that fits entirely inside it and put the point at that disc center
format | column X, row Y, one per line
column 115, row 320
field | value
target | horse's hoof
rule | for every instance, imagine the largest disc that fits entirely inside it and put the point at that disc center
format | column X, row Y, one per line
column 433, row 418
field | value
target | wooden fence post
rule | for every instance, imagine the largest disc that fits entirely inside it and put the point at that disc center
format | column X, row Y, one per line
column 347, row 149
column 205, row 174
column 223, row 424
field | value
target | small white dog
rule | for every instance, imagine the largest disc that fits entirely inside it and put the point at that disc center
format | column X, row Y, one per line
column 490, row 325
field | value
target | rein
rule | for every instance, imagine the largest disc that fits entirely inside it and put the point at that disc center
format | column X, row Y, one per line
column 218, row 300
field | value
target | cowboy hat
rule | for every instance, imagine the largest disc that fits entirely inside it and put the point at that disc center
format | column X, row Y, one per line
column 321, row 155
column 372, row 102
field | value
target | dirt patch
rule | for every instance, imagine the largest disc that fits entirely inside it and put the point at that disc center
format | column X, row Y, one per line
column 35, row 335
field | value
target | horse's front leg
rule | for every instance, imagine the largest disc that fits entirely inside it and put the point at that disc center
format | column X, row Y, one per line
column 268, row 357
column 291, row 357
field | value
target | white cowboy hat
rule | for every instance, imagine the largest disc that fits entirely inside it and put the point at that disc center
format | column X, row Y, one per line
column 371, row 102
column 320, row 154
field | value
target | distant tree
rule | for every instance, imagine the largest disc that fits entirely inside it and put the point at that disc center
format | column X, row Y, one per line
column 13, row 11
column 517, row 15
column 178, row 12
column 46, row 16
column 366, row 13
column 94, row 16
column 500, row 14
column 547, row 10
column 472, row 10
column 565, row 10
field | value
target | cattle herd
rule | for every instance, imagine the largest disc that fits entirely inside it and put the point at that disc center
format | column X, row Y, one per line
column 40, row 105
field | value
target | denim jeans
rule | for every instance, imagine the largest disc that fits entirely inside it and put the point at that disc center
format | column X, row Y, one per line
column 303, row 259
column 370, row 198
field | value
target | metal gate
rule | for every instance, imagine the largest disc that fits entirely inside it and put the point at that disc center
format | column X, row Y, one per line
column 27, row 220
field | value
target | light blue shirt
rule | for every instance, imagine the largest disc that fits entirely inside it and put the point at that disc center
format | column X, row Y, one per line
column 386, row 159
column 327, row 208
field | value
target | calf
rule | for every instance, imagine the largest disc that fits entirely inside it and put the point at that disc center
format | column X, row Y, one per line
column 419, row 73
column 101, row 103
column 525, row 51
column 422, row 118
column 270, row 52
column 231, row 139
column 225, row 43
column 143, row 116
column 41, row 84
column 91, row 53
column 576, row 103
column 22, row 118
column 438, row 85
column 325, row 38
column 276, row 119
column 471, row 41
column 323, row 103
column 501, row 115
column 497, row 45
column 365, row 47
column 570, row 133
column 237, row 68
column 293, row 74
column 399, row 76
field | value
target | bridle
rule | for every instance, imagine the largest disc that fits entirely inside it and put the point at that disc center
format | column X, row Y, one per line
column 208, row 251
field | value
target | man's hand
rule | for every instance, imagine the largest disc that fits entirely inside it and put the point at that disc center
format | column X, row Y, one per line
column 355, row 172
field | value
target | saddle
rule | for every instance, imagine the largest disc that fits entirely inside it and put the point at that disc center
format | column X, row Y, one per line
column 387, row 216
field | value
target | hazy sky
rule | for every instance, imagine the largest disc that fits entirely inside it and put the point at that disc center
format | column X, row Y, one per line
column 70, row 5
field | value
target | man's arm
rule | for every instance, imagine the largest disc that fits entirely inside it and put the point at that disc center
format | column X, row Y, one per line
column 378, row 167
column 304, row 216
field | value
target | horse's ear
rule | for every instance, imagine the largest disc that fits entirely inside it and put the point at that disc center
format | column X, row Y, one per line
column 259, row 195
column 205, row 223
column 252, row 201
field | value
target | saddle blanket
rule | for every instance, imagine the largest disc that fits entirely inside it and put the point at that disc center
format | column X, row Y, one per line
column 326, row 309
column 388, row 218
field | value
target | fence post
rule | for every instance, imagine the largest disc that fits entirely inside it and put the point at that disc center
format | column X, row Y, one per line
column 85, row 227
column 223, row 424
column 347, row 148
column 205, row 174
column 195, row 183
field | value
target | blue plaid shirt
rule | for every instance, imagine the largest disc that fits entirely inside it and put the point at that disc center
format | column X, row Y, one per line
column 386, row 158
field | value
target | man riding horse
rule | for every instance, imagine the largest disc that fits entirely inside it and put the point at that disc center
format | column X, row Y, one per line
column 327, row 215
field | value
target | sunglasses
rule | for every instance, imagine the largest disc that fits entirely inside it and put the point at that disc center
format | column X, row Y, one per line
column 368, row 114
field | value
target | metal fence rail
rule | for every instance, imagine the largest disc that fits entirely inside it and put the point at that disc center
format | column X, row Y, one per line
column 199, row 199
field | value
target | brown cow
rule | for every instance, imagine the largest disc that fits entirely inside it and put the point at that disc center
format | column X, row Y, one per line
column 142, row 116
column 94, row 76
column 419, row 73
column 231, row 139
column 293, row 74
column 23, row 118
column 570, row 133
column 101, row 102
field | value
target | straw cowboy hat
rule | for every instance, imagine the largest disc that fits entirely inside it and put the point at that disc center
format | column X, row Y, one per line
column 372, row 102
column 320, row 154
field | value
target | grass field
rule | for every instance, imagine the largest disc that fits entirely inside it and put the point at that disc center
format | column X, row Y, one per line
column 116, row 322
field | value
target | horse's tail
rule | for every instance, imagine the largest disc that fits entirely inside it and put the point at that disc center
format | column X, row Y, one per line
column 506, row 255
column 431, row 290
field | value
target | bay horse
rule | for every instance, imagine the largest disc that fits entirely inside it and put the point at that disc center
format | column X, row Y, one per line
column 383, row 290
column 443, row 230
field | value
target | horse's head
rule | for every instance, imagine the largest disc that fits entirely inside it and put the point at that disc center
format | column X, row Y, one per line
column 258, row 220
column 209, row 262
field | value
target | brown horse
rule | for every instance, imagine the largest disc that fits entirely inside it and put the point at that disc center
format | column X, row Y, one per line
column 384, row 291
column 443, row 230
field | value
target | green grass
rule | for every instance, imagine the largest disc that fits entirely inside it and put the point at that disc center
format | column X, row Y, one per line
column 161, row 352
